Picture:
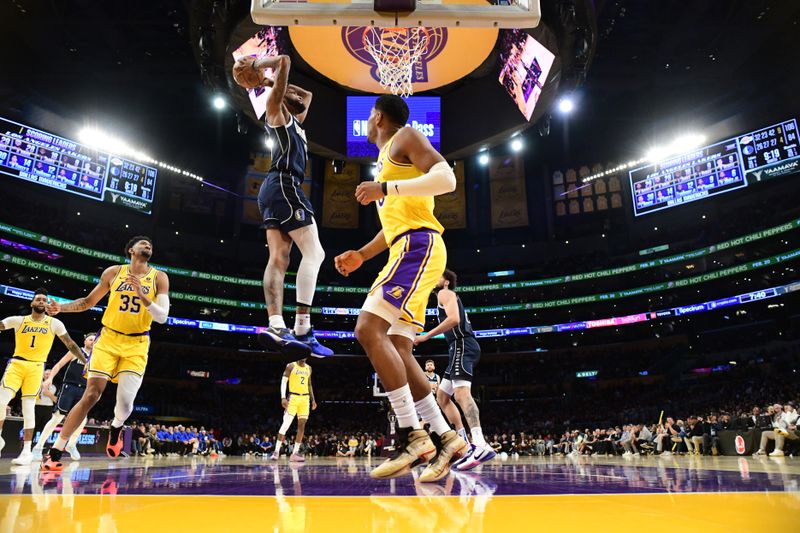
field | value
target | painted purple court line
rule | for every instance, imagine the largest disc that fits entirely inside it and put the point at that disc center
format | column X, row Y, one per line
column 352, row 479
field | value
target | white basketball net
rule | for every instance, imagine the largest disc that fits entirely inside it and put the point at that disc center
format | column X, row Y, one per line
column 396, row 51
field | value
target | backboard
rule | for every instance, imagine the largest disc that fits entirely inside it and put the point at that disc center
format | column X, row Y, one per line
column 428, row 13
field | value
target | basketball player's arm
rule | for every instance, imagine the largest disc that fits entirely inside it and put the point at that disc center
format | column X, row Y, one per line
column 82, row 304
column 285, row 384
column 447, row 299
column 306, row 96
column 281, row 64
column 159, row 309
column 64, row 361
column 352, row 260
column 11, row 322
column 410, row 145
column 72, row 346
column 311, row 394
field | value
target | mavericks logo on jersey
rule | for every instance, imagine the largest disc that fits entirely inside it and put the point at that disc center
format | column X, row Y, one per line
column 300, row 215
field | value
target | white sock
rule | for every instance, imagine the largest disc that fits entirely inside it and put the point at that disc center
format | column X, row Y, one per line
column 403, row 407
column 477, row 437
column 60, row 443
column 296, row 448
column 276, row 321
column 278, row 447
column 429, row 410
column 463, row 433
column 26, row 447
column 302, row 323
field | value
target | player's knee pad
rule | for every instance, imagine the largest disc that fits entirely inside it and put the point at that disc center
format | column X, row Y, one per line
column 28, row 413
column 127, row 388
column 287, row 421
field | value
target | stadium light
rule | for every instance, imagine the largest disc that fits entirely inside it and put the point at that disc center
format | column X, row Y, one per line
column 102, row 141
column 566, row 105
column 270, row 142
column 483, row 159
column 219, row 102
column 678, row 146
column 516, row 144
column 374, row 170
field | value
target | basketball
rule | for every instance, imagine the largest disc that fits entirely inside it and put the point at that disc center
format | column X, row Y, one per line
column 246, row 76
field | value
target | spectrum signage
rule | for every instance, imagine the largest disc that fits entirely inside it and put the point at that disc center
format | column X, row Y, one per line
column 424, row 116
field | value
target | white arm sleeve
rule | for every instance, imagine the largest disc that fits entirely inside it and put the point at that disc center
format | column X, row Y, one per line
column 284, row 384
column 440, row 179
column 12, row 322
column 160, row 308
column 58, row 327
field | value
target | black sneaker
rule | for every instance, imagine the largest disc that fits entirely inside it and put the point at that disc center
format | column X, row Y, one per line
column 282, row 341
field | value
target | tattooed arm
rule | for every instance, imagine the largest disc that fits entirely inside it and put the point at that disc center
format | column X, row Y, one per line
column 82, row 304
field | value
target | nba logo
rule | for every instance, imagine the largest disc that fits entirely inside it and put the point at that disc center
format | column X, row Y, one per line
column 359, row 128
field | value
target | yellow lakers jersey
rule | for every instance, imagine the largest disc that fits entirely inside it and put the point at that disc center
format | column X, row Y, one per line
column 34, row 339
column 125, row 312
column 400, row 214
column 299, row 378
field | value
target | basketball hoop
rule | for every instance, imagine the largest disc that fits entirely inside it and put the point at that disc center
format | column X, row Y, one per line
column 396, row 51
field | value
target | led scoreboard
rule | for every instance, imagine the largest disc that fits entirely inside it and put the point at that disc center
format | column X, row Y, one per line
column 717, row 168
column 40, row 157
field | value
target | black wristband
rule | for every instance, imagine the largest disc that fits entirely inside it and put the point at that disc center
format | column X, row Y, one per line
column 384, row 188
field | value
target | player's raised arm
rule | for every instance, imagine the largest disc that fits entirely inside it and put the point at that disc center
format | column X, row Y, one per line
column 447, row 299
column 304, row 98
column 82, row 304
column 281, row 65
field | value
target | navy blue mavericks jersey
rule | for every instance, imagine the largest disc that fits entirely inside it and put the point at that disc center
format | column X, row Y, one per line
column 74, row 374
column 290, row 150
column 463, row 330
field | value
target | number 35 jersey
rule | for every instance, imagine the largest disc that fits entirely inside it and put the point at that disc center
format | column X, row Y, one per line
column 126, row 312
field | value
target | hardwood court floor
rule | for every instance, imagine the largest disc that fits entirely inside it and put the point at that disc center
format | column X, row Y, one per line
column 725, row 494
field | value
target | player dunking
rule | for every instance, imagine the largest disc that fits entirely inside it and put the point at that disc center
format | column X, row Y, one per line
column 464, row 355
column 138, row 294
column 33, row 338
column 70, row 393
column 410, row 174
column 296, row 402
column 287, row 213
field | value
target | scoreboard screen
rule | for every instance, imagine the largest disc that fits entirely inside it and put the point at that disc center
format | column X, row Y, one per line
column 46, row 159
column 717, row 168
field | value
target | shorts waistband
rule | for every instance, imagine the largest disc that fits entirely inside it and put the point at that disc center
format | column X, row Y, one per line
column 409, row 232
column 297, row 394
column 142, row 334
column 18, row 358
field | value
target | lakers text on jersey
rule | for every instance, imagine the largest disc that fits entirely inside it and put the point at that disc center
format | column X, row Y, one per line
column 299, row 400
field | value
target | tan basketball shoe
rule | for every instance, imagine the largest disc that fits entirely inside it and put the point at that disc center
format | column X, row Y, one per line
column 413, row 447
column 452, row 447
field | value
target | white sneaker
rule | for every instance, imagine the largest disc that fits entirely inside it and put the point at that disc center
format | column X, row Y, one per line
column 37, row 453
column 73, row 452
column 25, row 458
column 760, row 452
column 666, row 454
column 777, row 453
